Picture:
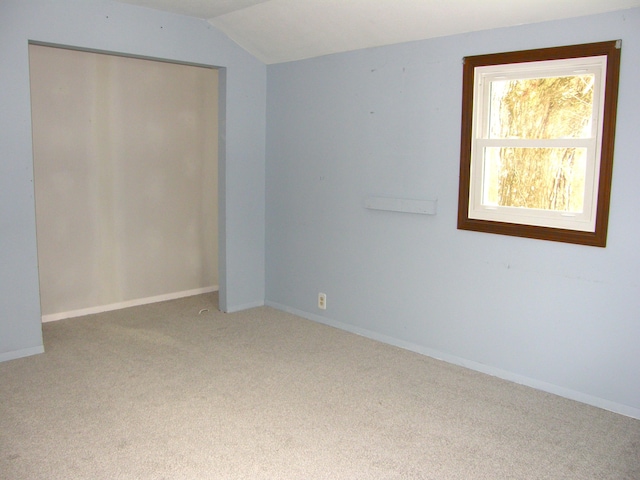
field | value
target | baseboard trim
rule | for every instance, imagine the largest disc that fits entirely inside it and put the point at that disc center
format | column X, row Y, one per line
column 24, row 352
column 246, row 306
column 478, row 367
column 129, row 303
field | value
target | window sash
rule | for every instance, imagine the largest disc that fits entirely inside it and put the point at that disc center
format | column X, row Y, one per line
column 584, row 221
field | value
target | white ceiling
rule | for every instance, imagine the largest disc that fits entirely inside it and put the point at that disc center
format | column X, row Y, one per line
column 278, row 31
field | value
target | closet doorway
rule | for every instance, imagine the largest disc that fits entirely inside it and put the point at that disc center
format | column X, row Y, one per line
column 126, row 179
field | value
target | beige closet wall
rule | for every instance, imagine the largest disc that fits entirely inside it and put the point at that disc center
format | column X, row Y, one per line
column 125, row 168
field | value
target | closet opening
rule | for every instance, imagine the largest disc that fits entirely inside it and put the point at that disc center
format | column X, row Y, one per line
column 126, row 179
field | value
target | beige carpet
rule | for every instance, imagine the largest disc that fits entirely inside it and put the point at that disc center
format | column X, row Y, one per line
column 163, row 392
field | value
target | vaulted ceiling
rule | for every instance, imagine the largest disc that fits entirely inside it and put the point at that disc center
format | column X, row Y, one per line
column 277, row 31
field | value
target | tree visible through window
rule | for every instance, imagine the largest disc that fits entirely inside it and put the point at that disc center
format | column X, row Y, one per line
column 544, row 178
column 537, row 142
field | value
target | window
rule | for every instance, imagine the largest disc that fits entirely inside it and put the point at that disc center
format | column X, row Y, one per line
column 537, row 142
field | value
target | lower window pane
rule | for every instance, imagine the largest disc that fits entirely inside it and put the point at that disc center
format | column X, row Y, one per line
column 540, row 178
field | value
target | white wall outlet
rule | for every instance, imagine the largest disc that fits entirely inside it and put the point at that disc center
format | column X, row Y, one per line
column 322, row 301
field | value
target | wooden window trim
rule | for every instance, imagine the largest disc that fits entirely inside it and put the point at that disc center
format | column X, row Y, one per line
column 599, row 236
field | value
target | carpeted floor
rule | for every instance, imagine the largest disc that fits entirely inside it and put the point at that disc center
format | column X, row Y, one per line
column 163, row 391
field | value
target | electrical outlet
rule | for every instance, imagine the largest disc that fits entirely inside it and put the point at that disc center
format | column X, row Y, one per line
column 322, row 301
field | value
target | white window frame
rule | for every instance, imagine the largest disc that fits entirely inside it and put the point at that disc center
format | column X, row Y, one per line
column 478, row 209
column 586, row 227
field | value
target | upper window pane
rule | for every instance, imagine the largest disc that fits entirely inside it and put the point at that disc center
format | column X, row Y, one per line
column 542, row 108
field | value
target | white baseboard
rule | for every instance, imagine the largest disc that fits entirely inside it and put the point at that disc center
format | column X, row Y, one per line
column 129, row 303
column 478, row 367
column 245, row 306
column 25, row 352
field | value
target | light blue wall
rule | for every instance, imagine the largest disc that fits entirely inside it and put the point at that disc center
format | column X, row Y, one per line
column 386, row 121
column 120, row 28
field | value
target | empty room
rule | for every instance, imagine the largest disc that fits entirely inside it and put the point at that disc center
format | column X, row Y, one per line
column 407, row 247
